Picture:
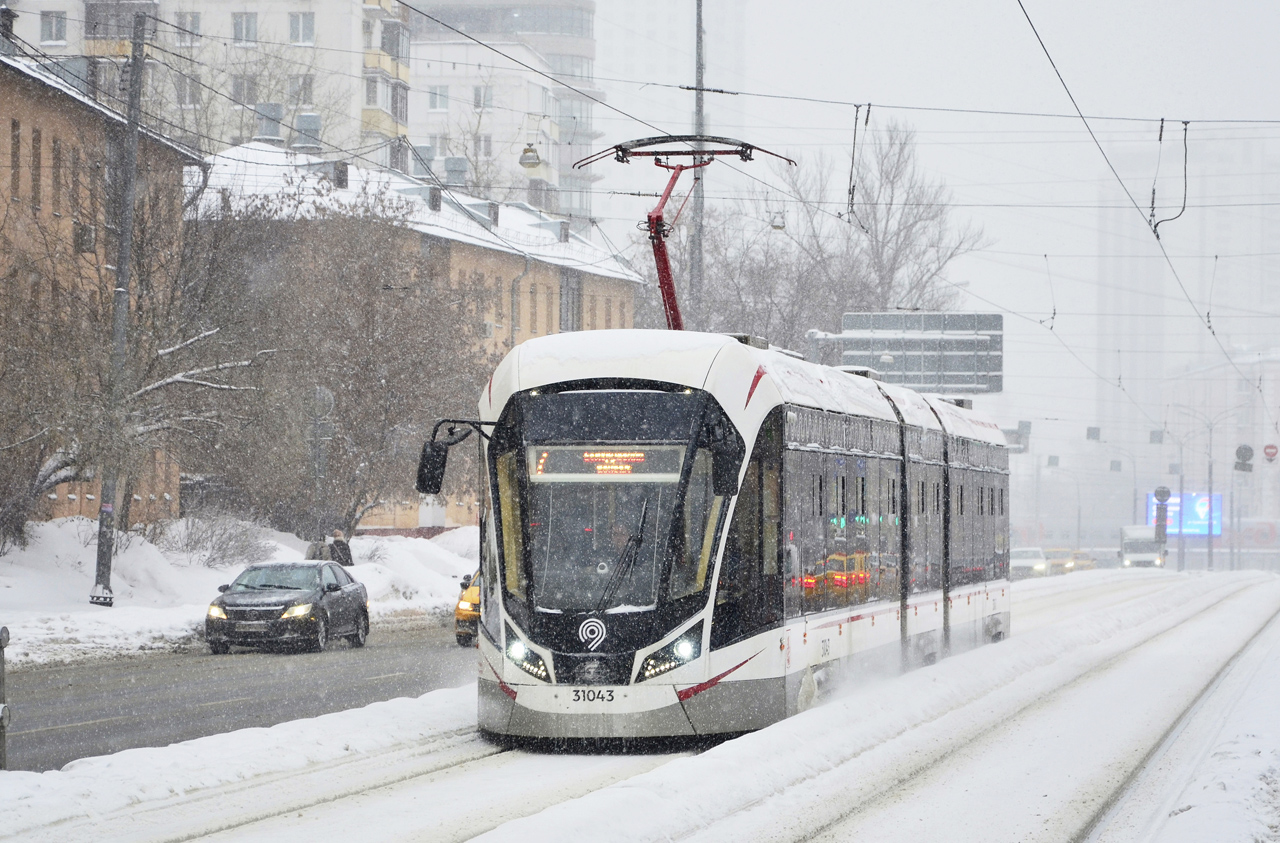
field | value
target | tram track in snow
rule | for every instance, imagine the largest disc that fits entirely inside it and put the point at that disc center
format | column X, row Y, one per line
column 835, row 771
column 229, row 807
column 974, row 755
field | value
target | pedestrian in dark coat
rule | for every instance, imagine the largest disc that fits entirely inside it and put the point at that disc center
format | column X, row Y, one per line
column 341, row 551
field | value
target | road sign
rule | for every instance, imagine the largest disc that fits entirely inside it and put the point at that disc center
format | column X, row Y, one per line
column 1270, row 452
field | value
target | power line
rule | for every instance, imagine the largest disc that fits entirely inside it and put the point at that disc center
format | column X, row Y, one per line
column 1159, row 242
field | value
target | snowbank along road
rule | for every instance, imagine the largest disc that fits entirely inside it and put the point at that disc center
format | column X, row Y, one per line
column 1113, row 686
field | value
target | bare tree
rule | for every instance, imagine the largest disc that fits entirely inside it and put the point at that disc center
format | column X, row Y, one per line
column 910, row 238
column 377, row 340
column 56, row 419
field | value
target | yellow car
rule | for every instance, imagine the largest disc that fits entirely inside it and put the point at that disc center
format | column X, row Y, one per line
column 1061, row 560
column 466, row 617
column 1083, row 561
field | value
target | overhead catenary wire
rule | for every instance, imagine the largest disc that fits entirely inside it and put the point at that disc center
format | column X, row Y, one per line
column 1159, row 243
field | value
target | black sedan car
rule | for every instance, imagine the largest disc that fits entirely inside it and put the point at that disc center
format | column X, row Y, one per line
column 301, row 605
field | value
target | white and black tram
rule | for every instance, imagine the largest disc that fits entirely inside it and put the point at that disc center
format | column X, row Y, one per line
column 684, row 534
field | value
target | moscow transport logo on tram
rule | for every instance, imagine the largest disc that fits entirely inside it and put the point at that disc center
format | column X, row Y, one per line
column 592, row 632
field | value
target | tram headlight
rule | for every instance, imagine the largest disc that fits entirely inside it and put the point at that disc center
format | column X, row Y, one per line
column 683, row 650
column 524, row 658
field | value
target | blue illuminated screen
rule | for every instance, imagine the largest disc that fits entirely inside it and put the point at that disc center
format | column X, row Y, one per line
column 1195, row 521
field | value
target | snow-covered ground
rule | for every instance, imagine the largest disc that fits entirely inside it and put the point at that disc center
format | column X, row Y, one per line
column 161, row 596
column 1030, row 739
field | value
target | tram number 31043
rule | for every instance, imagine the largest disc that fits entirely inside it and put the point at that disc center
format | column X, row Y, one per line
column 592, row 695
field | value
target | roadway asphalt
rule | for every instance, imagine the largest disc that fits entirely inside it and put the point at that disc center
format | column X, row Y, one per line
column 69, row 712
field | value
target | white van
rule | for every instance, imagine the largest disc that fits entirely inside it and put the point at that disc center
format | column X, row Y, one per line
column 1027, row 562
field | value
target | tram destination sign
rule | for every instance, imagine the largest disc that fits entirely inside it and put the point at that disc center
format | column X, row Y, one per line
column 595, row 463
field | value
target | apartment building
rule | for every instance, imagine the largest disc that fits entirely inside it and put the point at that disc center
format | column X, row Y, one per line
column 329, row 77
column 58, row 227
column 485, row 122
column 562, row 32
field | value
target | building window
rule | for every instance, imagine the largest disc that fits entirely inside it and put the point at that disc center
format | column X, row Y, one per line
column 188, row 90
column 483, row 145
column 395, row 41
column 53, row 27
column 608, row 313
column 302, row 27
column 114, row 21
column 400, row 103
column 533, row 309
column 591, row 312
column 515, row 306
column 36, row 181
column 622, row 314
column 368, row 35
column 551, row 301
column 188, row 28
column 371, row 91
column 438, row 98
column 482, row 96
column 75, row 182
column 244, row 28
column 563, row 65
column 244, row 90
column 439, row 145
column 55, row 162
column 15, row 158
column 301, row 89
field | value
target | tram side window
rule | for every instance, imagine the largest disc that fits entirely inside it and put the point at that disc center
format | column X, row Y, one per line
column 508, row 466
column 701, row 519
column 489, row 614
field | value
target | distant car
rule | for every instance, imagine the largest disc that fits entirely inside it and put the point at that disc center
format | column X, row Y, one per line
column 302, row 605
column 1027, row 562
column 1083, row 560
column 1061, row 560
column 466, row 617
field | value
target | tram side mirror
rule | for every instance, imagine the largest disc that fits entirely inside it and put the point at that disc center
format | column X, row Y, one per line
column 431, row 467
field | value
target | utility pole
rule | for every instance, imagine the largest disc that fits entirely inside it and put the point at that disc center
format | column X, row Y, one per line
column 699, row 128
column 1209, row 530
column 101, row 594
column 1182, row 538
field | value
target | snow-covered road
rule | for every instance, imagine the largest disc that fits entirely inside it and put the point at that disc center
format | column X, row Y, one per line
column 1031, row 739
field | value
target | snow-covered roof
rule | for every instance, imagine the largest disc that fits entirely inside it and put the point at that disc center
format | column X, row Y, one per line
column 244, row 174
column 39, row 75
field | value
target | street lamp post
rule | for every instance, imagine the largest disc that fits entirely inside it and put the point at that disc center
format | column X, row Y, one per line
column 1209, row 425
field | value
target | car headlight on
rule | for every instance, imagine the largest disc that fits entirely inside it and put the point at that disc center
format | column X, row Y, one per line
column 297, row 611
column 683, row 650
column 1127, row 561
column 216, row 611
column 524, row 658
column 466, row 606
column 1039, row 567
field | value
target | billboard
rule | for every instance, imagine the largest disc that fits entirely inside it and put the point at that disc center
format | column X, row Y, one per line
column 1195, row 521
column 931, row 352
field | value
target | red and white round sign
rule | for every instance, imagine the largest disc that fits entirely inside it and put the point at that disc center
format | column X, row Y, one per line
column 1270, row 452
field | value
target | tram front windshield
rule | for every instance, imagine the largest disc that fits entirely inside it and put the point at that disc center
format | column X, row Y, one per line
column 620, row 513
